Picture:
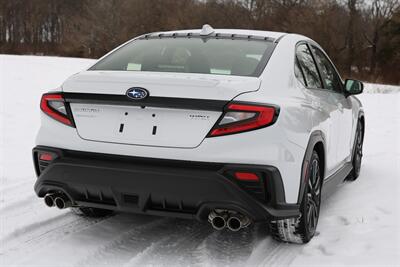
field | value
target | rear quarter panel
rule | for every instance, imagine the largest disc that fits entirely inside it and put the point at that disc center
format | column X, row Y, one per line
column 294, row 126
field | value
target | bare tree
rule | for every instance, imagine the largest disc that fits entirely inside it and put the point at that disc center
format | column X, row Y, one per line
column 352, row 6
column 380, row 14
column 347, row 29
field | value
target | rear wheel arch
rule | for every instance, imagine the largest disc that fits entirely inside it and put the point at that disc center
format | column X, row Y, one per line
column 316, row 142
column 362, row 120
column 301, row 229
column 356, row 155
column 320, row 149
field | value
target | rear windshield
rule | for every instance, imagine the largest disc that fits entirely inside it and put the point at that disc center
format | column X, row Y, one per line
column 190, row 55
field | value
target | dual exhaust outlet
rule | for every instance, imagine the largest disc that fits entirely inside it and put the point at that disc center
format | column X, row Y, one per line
column 232, row 220
column 58, row 200
column 218, row 218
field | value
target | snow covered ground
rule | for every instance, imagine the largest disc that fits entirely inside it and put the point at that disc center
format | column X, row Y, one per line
column 372, row 88
column 359, row 224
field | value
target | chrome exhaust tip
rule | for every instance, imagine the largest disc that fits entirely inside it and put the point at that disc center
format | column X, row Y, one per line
column 234, row 221
column 217, row 220
column 237, row 222
column 62, row 202
column 234, row 224
column 49, row 200
column 218, row 223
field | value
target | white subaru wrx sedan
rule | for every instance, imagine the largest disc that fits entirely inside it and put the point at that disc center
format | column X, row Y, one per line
column 229, row 126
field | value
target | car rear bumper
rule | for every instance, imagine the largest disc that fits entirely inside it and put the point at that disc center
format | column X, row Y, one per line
column 175, row 188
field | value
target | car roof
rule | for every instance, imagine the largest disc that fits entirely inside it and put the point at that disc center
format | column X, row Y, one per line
column 243, row 32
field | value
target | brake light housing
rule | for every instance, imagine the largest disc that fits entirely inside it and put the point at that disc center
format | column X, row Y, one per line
column 247, row 176
column 45, row 156
column 54, row 105
column 241, row 117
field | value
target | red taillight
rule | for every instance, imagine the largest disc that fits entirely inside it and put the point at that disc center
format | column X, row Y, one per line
column 46, row 156
column 54, row 106
column 246, row 176
column 244, row 117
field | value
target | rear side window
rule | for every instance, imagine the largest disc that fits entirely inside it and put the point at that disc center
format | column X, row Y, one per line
column 299, row 73
column 329, row 75
column 308, row 67
column 190, row 55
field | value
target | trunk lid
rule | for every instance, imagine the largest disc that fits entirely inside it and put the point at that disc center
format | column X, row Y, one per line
column 179, row 112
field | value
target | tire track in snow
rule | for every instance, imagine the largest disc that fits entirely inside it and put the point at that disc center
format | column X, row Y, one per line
column 61, row 245
column 269, row 252
column 17, row 199
column 225, row 248
column 31, row 228
column 10, row 188
column 192, row 243
column 19, row 206
column 15, row 192
column 131, row 242
column 174, row 249
column 30, row 236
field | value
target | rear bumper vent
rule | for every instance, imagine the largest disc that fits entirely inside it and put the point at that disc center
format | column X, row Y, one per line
column 42, row 165
column 256, row 189
column 170, row 206
column 131, row 199
column 43, row 159
column 99, row 196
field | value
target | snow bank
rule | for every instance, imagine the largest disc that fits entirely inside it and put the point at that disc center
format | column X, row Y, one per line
column 373, row 88
column 359, row 224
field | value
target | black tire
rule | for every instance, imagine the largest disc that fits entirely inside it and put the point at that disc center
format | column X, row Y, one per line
column 92, row 212
column 357, row 153
column 300, row 230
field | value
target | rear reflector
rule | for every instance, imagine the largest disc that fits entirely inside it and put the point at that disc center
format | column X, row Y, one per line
column 53, row 104
column 247, row 176
column 242, row 117
column 46, row 157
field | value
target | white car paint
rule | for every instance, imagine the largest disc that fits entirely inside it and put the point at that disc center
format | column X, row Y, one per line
column 283, row 144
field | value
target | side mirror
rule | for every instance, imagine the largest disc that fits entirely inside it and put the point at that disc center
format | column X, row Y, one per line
column 353, row 87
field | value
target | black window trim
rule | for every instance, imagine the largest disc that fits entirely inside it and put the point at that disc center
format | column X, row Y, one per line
column 315, row 63
column 301, row 70
column 313, row 44
column 310, row 43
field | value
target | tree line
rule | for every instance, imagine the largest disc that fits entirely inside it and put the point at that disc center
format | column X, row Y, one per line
column 361, row 36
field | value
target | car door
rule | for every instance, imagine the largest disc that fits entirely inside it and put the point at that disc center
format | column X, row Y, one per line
column 332, row 82
column 324, row 104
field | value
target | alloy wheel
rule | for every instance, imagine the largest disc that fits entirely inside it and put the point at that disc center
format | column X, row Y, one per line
column 313, row 197
column 358, row 153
